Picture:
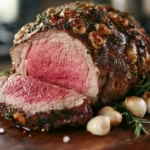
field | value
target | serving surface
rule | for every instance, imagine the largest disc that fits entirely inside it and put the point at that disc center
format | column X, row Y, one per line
column 119, row 138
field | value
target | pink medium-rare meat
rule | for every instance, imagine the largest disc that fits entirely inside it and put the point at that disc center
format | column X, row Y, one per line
column 53, row 59
column 64, row 67
column 30, row 99
column 34, row 92
column 94, row 49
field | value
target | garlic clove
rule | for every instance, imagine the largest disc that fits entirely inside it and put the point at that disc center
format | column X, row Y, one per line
column 136, row 105
column 114, row 116
column 99, row 125
column 146, row 97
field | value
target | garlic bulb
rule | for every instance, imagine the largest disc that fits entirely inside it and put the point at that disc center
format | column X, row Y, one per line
column 136, row 105
column 99, row 125
column 114, row 116
column 146, row 97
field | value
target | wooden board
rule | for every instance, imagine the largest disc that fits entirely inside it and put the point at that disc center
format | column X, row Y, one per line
column 120, row 138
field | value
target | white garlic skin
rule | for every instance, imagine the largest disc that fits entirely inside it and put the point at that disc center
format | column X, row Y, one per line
column 114, row 116
column 146, row 97
column 136, row 105
column 99, row 125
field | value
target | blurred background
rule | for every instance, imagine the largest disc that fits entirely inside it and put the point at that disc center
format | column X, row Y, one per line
column 16, row 13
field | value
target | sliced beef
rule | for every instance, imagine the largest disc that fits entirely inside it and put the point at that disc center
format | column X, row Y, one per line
column 55, row 60
column 94, row 49
column 35, row 104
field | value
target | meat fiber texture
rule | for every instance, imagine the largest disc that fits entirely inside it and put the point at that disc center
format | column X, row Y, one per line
column 39, row 105
column 92, row 49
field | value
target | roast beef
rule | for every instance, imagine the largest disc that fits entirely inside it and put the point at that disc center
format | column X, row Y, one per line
column 94, row 49
column 68, row 59
column 39, row 105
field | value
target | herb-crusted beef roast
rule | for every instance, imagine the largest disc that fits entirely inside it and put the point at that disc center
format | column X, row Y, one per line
column 93, row 49
column 36, row 104
column 84, row 48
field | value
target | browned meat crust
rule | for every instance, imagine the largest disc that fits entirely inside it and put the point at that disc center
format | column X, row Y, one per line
column 48, row 120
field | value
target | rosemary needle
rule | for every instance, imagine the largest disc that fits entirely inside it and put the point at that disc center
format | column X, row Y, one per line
column 133, row 121
column 144, row 86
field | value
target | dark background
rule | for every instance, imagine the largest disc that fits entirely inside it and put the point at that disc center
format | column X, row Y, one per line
column 16, row 13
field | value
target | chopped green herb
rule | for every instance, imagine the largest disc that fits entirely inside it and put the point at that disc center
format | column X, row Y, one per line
column 4, row 72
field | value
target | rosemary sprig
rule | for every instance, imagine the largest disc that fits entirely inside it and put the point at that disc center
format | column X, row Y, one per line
column 133, row 121
column 144, row 86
